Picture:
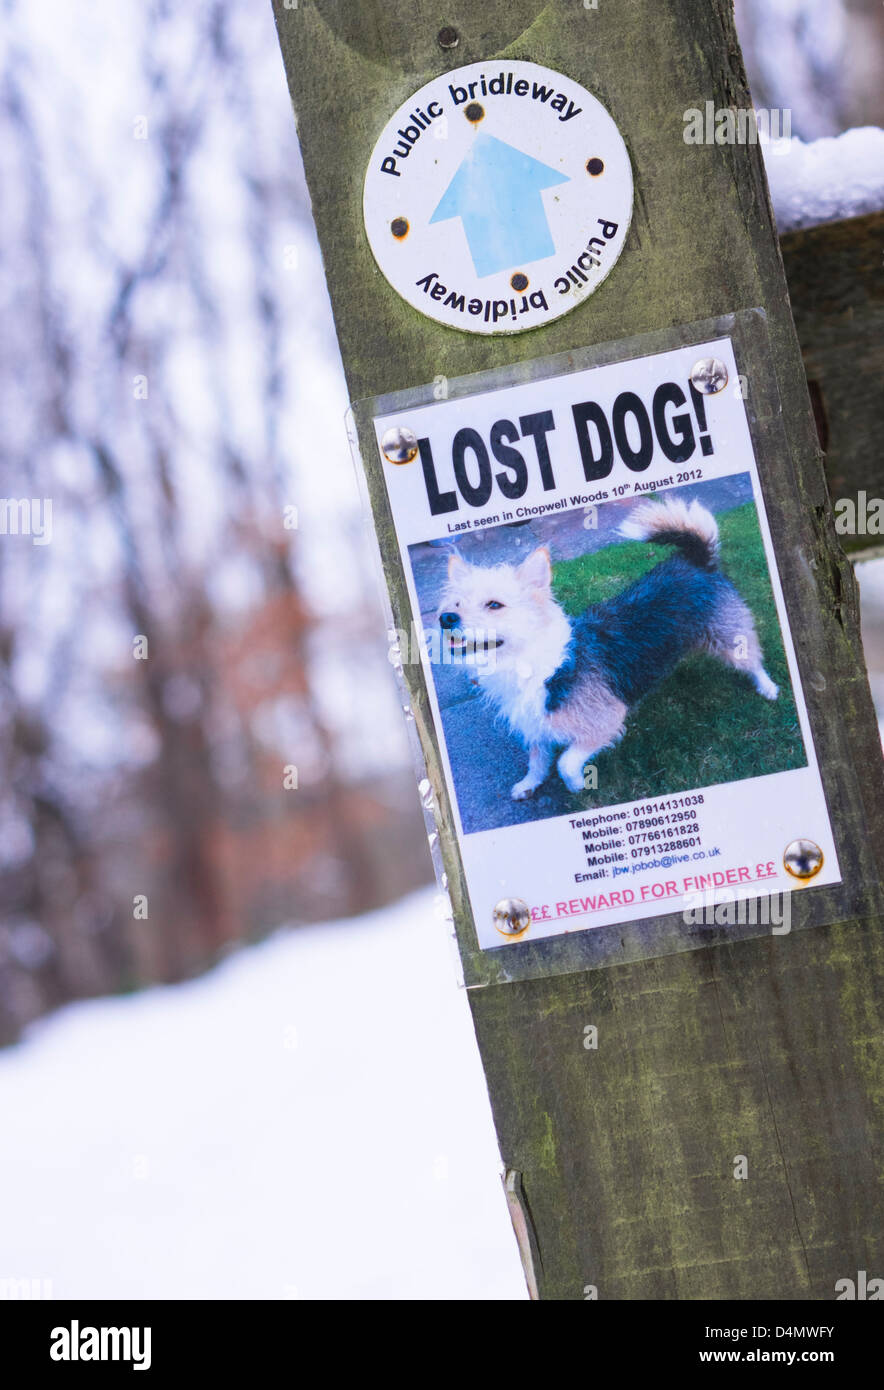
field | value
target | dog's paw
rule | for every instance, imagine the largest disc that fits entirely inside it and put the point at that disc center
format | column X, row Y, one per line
column 574, row 784
column 766, row 687
column 523, row 790
column 571, row 765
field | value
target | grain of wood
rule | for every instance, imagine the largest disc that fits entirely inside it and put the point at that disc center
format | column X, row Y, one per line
column 836, row 287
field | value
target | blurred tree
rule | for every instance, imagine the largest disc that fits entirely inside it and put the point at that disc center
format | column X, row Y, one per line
column 823, row 60
column 197, row 623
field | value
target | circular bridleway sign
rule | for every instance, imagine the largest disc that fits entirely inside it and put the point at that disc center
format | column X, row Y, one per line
column 498, row 197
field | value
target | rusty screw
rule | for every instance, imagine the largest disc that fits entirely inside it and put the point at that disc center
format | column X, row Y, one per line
column 512, row 917
column 448, row 37
column 399, row 445
column 803, row 859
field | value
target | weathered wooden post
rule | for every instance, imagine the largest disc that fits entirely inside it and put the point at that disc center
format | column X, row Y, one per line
column 699, row 1118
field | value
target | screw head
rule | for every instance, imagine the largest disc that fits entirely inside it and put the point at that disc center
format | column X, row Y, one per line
column 399, row 227
column 709, row 376
column 803, row 859
column 595, row 167
column 448, row 37
column 519, row 281
column 399, row 445
column 475, row 112
column 512, row 917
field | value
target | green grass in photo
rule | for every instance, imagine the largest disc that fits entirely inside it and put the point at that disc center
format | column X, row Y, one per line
column 705, row 724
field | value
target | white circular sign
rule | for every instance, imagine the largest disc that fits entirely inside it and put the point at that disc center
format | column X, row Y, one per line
column 498, row 197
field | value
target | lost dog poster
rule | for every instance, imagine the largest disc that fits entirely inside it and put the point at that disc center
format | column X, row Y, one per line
column 598, row 613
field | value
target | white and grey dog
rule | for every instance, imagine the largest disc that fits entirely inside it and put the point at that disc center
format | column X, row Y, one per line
column 568, row 684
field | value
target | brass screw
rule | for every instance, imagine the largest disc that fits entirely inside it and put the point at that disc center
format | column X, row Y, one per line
column 803, row 859
column 399, row 445
column 512, row 917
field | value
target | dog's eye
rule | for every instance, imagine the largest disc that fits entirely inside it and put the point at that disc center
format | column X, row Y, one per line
column 492, row 603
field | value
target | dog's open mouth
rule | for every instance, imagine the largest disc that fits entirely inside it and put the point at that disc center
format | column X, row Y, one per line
column 469, row 646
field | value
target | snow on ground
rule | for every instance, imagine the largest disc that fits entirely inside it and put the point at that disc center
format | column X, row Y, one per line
column 308, row 1121
column 826, row 179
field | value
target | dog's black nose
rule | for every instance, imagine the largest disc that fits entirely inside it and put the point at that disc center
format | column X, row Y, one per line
column 449, row 620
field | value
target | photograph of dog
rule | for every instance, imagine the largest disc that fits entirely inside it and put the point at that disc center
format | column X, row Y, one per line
column 568, row 674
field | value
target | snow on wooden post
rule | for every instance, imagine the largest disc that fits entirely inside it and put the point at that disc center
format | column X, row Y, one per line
column 697, row 1124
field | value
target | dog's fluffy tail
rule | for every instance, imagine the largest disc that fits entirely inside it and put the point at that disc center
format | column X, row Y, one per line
column 673, row 522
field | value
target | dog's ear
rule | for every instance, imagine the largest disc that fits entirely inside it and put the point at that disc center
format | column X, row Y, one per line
column 457, row 566
column 536, row 571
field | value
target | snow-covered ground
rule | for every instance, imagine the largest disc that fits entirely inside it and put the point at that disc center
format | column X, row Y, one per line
column 307, row 1121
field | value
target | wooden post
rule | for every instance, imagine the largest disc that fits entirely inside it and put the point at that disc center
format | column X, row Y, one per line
column 620, row 1161
column 834, row 277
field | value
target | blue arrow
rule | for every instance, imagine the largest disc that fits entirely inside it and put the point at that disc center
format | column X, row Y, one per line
column 496, row 193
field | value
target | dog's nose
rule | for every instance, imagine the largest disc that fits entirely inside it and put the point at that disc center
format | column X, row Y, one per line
column 449, row 620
